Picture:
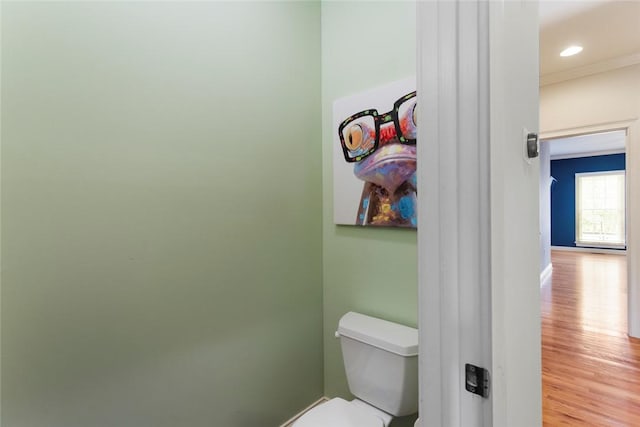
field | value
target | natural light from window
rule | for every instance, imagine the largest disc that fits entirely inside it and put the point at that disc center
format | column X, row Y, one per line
column 600, row 209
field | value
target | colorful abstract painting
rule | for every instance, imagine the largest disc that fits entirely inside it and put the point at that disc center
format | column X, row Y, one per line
column 374, row 157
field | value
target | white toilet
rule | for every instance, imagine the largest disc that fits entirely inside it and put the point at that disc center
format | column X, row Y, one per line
column 381, row 362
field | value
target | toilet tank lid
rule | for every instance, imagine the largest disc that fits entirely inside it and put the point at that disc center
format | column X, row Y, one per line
column 398, row 339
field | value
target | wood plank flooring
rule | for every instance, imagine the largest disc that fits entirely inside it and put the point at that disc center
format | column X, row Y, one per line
column 590, row 367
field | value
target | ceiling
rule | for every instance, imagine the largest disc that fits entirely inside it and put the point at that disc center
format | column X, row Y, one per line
column 587, row 145
column 607, row 29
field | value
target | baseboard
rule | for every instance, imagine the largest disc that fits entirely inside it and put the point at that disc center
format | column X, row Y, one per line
column 590, row 250
column 290, row 422
column 545, row 276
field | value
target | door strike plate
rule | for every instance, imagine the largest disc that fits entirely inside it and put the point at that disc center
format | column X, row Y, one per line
column 477, row 380
column 533, row 145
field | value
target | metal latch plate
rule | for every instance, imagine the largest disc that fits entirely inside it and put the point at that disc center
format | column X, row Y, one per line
column 477, row 380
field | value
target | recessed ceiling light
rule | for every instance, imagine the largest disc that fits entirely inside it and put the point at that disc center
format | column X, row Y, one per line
column 571, row 50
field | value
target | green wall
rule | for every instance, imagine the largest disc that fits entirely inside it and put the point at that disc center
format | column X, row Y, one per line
column 161, row 214
column 364, row 45
column 165, row 242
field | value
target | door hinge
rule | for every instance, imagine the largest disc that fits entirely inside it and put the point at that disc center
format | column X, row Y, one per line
column 477, row 380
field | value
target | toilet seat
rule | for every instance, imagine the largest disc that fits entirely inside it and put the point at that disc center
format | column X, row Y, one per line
column 338, row 413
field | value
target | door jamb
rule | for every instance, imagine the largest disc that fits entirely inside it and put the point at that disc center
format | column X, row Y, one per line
column 454, row 241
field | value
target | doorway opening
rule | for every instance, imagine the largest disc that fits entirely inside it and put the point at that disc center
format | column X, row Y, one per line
column 583, row 193
column 584, row 294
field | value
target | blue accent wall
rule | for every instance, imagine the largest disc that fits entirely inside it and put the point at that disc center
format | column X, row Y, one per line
column 563, row 192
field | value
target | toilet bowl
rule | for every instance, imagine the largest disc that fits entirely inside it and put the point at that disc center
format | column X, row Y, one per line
column 381, row 363
column 338, row 412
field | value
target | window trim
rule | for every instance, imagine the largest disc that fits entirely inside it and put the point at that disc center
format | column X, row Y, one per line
column 587, row 244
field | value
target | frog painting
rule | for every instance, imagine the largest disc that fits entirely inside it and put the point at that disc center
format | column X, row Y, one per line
column 375, row 135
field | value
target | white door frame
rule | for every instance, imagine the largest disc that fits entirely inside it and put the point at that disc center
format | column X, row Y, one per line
column 454, row 210
column 479, row 298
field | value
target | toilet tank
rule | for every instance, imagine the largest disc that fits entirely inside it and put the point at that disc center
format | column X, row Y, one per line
column 381, row 362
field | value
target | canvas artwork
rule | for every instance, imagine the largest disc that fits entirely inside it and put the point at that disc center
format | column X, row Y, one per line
column 374, row 157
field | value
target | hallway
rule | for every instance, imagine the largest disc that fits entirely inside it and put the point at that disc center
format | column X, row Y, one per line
column 590, row 367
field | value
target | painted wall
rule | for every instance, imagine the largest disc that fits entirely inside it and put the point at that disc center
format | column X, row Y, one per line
column 161, row 214
column 595, row 102
column 563, row 193
column 545, row 206
column 372, row 271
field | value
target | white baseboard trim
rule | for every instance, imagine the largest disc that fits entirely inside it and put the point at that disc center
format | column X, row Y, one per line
column 545, row 276
column 301, row 413
column 591, row 250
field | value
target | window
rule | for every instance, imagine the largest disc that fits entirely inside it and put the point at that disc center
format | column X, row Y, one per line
column 600, row 209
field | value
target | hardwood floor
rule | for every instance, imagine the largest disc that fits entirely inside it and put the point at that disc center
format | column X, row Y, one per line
column 590, row 367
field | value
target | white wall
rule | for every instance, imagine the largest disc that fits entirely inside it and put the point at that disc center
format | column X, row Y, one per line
column 591, row 100
column 600, row 101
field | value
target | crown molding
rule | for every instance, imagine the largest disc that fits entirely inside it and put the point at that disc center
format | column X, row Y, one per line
column 587, row 70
